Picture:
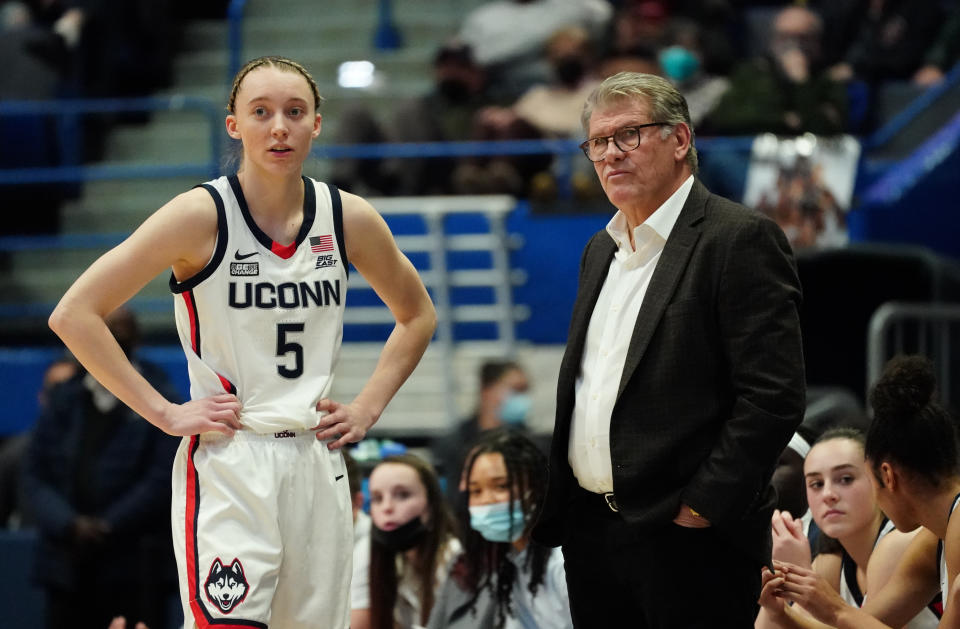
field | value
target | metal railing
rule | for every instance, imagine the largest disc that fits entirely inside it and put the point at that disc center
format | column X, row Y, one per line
column 65, row 113
column 437, row 242
column 929, row 329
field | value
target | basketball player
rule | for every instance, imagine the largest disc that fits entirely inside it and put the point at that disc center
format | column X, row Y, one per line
column 261, row 510
column 913, row 458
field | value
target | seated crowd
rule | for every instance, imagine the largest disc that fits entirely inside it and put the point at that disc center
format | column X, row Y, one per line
column 744, row 68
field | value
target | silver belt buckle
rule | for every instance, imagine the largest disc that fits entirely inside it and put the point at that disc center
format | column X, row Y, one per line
column 611, row 501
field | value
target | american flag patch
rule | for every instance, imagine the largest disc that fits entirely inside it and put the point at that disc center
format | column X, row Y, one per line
column 319, row 244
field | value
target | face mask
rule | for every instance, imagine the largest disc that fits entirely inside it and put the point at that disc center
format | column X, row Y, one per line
column 570, row 70
column 493, row 521
column 678, row 63
column 402, row 538
column 454, row 90
column 515, row 408
column 103, row 400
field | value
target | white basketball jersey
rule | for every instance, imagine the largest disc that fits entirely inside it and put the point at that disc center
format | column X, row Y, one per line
column 263, row 320
column 927, row 618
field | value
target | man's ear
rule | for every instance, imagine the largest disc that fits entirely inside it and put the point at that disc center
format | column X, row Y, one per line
column 681, row 131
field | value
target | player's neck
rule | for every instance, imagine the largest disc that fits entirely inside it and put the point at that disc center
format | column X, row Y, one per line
column 271, row 196
column 936, row 510
column 859, row 545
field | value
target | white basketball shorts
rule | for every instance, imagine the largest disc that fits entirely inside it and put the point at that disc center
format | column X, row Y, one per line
column 263, row 532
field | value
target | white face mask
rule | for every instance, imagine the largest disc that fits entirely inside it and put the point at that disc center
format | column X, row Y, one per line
column 103, row 400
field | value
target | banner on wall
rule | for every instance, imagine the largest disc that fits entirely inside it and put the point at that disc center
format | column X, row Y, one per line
column 805, row 184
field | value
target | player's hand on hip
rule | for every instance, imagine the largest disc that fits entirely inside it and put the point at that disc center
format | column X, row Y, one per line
column 217, row 413
column 344, row 423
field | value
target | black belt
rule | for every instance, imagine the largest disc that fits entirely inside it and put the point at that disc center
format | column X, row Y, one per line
column 607, row 499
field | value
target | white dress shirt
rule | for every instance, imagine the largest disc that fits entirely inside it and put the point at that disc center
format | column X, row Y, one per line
column 608, row 338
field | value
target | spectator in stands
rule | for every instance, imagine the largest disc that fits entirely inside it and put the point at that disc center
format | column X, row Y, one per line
column 640, row 59
column 841, row 498
column 554, row 107
column 547, row 110
column 943, row 55
column 508, row 37
column 913, row 462
column 444, row 114
column 787, row 91
column 123, row 47
column 639, row 24
column 503, row 399
column 412, row 544
column 682, row 62
column 119, row 48
column 503, row 576
column 35, row 67
column 648, row 24
column 890, row 40
column 13, row 448
column 97, row 482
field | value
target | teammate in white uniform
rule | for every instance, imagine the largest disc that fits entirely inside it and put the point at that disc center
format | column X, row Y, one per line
column 261, row 510
column 841, row 499
column 913, row 457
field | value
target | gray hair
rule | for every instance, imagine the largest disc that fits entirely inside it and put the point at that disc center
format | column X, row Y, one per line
column 666, row 103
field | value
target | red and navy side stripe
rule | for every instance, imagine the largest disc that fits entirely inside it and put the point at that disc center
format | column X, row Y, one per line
column 191, row 306
column 201, row 615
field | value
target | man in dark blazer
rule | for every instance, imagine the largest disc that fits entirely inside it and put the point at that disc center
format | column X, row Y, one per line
column 681, row 384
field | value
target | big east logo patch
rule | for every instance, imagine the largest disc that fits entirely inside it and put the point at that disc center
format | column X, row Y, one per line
column 226, row 587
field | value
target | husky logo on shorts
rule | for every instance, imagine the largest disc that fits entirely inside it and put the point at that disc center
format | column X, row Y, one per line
column 226, row 587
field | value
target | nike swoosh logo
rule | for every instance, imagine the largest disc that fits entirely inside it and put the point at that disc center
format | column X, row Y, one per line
column 338, row 477
column 243, row 256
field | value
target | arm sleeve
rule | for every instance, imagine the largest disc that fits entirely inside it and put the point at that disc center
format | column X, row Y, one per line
column 760, row 338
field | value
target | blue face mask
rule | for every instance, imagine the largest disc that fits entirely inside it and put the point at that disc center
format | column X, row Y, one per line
column 493, row 521
column 515, row 408
column 678, row 63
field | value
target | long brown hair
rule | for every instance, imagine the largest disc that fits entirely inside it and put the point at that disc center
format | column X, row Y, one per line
column 441, row 527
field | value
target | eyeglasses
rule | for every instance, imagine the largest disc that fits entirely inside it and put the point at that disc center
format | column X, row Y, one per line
column 626, row 139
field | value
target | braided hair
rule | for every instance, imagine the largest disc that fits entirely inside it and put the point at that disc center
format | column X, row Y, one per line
column 280, row 63
column 486, row 564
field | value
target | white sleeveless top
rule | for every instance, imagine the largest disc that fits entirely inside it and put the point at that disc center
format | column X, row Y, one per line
column 262, row 320
column 850, row 589
column 942, row 559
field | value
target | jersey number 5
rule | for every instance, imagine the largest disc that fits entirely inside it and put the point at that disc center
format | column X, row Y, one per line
column 284, row 347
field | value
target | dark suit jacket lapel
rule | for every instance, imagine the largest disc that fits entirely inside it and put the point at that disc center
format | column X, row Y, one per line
column 670, row 266
column 595, row 274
